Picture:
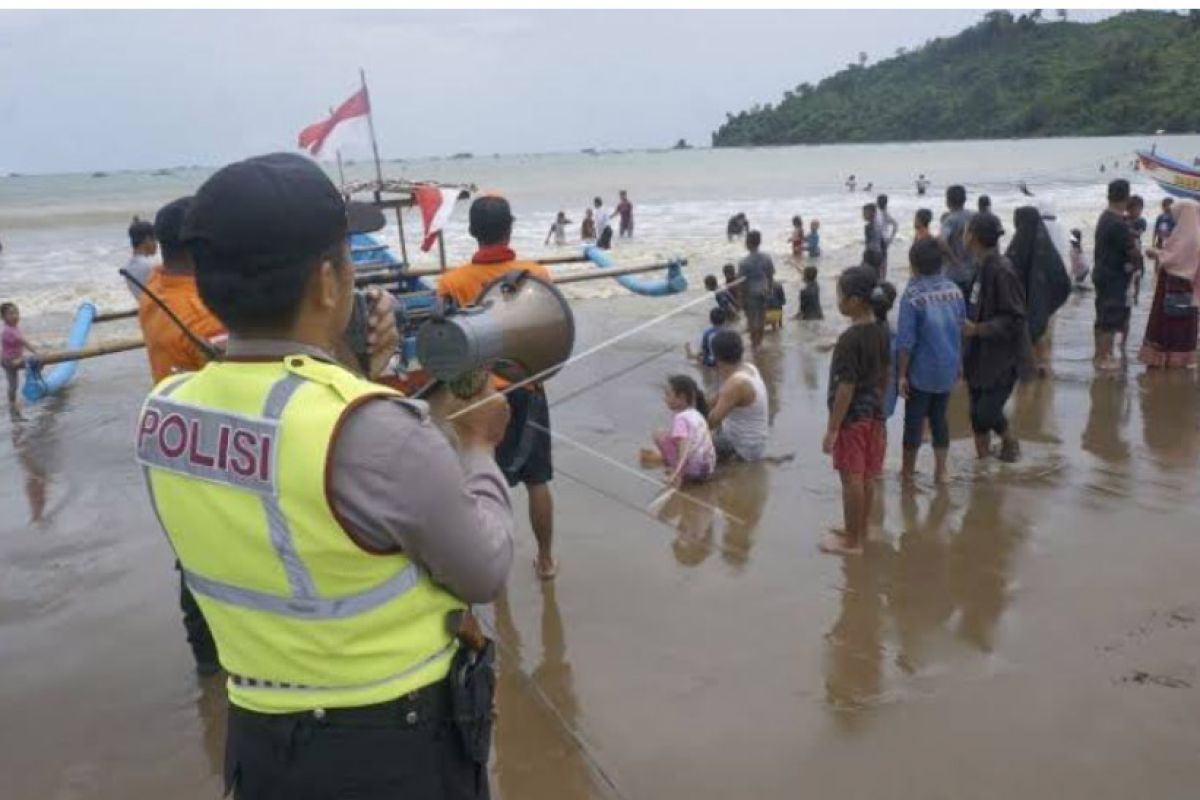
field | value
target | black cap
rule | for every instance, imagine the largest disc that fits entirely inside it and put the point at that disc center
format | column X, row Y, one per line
column 490, row 209
column 491, row 219
column 168, row 222
column 282, row 203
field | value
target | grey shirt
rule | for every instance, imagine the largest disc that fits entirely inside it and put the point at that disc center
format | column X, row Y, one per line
column 397, row 485
column 759, row 271
column 961, row 268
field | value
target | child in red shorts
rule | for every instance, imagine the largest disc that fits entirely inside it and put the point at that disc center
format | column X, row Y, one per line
column 857, row 379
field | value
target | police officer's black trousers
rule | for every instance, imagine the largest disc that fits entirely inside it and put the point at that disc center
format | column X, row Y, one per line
column 204, row 649
column 407, row 749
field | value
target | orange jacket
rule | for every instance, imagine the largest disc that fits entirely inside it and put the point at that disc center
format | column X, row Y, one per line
column 168, row 348
column 465, row 283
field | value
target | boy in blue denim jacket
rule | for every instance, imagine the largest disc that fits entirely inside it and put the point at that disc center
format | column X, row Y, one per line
column 929, row 352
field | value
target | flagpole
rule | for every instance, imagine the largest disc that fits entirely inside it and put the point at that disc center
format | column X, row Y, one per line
column 371, row 127
column 338, row 151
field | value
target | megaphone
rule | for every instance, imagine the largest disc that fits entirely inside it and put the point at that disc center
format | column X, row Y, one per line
column 520, row 327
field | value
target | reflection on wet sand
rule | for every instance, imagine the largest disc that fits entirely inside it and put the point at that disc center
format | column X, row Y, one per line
column 981, row 562
column 742, row 491
column 770, row 366
column 536, row 753
column 1170, row 417
column 854, row 645
column 693, row 514
column 1033, row 412
column 936, row 583
column 920, row 592
column 1108, row 414
column 35, row 444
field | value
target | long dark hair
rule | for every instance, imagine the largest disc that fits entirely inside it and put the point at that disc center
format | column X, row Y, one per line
column 685, row 386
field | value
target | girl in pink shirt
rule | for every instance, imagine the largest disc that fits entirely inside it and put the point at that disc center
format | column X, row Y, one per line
column 687, row 449
column 12, row 348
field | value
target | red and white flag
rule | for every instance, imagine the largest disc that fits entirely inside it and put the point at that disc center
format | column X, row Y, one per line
column 349, row 115
column 436, row 204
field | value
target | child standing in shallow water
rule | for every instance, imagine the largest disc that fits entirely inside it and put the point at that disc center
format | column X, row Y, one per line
column 687, row 449
column 12, row 349
column 814, row 239
column 855, row 435
column 929, row 351
column 810, row 296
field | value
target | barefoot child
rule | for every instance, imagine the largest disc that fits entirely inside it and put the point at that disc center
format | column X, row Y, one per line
column 855, row 434
column 687, row 449
column 929, row 352
column 724, row 298
column 706, row 357
column 12, row 349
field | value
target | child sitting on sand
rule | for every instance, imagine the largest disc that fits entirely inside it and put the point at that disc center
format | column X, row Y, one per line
column 814, row 239
column 687, row 449
column 724, row 297
column 855, row 435
column 706, row 357
column 12, row 350
column 734, row 292
column 810, row 296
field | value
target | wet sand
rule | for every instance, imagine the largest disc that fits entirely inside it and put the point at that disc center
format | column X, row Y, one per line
column 1029, row 630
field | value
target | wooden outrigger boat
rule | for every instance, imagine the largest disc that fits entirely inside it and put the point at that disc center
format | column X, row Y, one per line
column 375, row 264
column 1173, row 176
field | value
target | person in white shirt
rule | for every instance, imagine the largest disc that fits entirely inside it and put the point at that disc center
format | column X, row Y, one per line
column 145, row 248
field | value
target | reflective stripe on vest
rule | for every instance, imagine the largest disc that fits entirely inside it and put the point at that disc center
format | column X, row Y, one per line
column 239, row 451
column 261, row 683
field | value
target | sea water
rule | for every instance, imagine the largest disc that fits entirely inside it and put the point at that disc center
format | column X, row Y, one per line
column 64, row 235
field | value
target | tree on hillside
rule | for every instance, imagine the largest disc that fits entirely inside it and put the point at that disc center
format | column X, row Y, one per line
column 999, row 78
column 1062, row 14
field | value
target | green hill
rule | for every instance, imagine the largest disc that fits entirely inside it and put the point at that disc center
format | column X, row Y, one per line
column 1004, row 77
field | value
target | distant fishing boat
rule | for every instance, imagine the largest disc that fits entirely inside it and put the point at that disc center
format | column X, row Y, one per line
column 1173, row 176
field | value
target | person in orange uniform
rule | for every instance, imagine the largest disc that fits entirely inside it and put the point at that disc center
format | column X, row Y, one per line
column 171, row 350
column 174, row 282
column 524, row 454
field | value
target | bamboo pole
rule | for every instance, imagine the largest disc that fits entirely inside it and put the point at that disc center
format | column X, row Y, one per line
column 394, row 276
column 562, row 260
column 108, row 348
column 112, row 316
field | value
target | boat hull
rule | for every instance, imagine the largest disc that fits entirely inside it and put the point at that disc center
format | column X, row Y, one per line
column 1175, row 177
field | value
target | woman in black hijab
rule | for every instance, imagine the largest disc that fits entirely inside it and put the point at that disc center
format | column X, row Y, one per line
column 1041, row 268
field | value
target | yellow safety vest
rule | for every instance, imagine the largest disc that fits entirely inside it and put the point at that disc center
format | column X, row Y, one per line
column 236, row 458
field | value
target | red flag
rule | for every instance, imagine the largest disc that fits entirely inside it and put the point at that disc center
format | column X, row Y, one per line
column 313, row 137
column 436, row 204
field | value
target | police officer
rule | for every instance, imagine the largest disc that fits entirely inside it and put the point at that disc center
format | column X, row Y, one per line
column 330, row 533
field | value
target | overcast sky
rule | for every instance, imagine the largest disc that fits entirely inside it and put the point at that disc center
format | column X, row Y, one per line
column 108, row 90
